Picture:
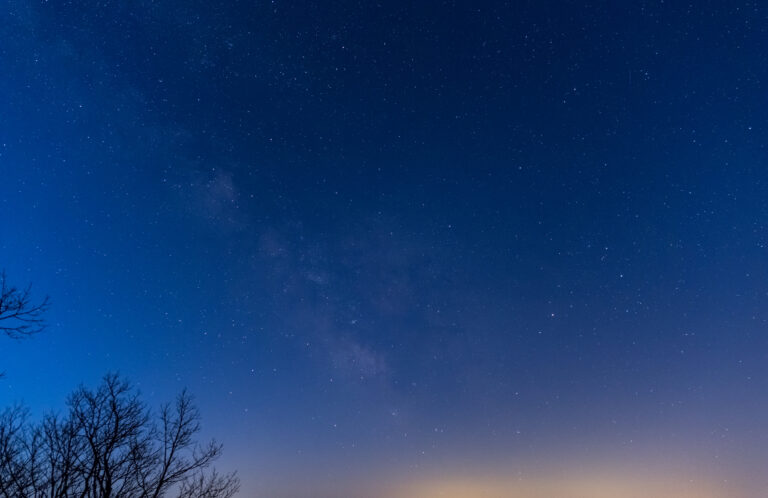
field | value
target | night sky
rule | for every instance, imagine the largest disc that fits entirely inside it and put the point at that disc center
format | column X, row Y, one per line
column 403, row 249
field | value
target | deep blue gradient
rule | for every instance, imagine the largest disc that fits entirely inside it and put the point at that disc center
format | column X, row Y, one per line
column 382, row 240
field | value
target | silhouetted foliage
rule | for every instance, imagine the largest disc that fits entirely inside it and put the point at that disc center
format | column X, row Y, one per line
column 19, row 316
column 109, row 445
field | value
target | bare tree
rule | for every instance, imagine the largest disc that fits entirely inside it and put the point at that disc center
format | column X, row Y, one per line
column 19, row 315
column 109, row 446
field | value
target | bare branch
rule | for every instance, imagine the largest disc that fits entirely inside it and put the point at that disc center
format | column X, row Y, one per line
column 107, row 446
column 211, row 486
column 19, row 316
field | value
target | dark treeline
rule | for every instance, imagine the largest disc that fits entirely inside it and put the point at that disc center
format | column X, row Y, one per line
column 107, row 443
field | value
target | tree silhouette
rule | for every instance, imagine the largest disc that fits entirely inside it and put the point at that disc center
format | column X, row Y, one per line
column 19, row 316
column 108, row 445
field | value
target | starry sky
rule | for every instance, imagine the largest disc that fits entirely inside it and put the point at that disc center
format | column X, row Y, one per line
column 403, row 249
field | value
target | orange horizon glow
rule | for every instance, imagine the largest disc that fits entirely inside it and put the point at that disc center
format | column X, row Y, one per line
column 586, row 487
column 597, row 483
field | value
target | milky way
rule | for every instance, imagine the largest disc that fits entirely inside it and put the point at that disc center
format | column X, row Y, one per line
column 402, row 248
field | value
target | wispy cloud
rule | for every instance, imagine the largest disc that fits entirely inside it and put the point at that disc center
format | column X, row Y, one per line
column 347, row 291
column 212, row 196
column 356, row 359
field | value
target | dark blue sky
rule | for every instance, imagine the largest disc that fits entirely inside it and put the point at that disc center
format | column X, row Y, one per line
column 396, row 242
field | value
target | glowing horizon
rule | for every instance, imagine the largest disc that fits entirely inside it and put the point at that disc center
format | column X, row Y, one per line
column 402, row 249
